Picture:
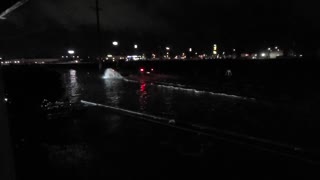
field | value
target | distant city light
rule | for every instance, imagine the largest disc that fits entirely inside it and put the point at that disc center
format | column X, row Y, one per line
column 141, row 70
column 215, row 47
column 62, row 57
column 0, row 58
column 190, row 49
column 71, row 52
column 276, row 47
column 115, row 43
column 136, row 46
column 168, row 48
column 263, row 54
column 132, row 57
column 301, row 55
column 234, row 50
column 77, row 56
column 6, row 99
column 269, row 49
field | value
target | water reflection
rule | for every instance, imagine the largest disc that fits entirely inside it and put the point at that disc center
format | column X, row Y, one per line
column 114, row 90
column 143, row 96
column 73, row 86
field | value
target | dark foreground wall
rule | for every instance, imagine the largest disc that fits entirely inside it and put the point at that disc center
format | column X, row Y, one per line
column 6, row 159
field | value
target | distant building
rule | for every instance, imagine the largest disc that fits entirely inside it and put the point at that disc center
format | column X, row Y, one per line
column 134, row 58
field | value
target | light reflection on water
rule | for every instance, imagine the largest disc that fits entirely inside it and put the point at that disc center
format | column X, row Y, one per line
column 113, row 91
column 183, row 105
column 73, row 86
column 142, row 96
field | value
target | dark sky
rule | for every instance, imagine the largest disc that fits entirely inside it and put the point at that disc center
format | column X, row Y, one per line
column 49, row 27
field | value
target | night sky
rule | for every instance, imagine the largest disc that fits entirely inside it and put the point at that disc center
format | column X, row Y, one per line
column 49, row 27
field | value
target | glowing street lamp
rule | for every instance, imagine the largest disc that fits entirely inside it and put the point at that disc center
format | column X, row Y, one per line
column 190, row 49
column 71, row 52
column 115, row 43
column 168, row 48
column 136, row 46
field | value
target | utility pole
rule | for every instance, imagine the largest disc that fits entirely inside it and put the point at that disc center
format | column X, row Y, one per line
column 98, row 35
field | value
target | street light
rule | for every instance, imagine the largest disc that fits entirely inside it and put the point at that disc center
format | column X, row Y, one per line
column 115, row 43
column 190, row 49
column 71, row 52
column 168, row 48
column 136, row 46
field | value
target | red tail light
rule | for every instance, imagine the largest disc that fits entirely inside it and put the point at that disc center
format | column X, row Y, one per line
column 141, row 70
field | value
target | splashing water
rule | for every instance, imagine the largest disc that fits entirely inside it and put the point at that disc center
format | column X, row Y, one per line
column 112, row 74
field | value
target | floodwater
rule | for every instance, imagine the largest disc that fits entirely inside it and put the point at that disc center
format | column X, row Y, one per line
column 248, row 137
column 246, row 115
